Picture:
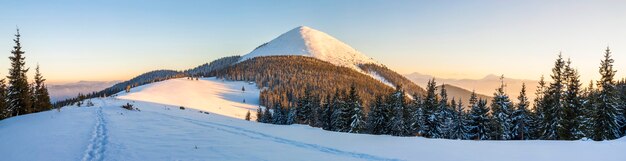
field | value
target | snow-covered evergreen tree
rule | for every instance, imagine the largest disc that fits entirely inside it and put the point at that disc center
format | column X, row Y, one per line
column 396, row 122
column 431, row 103
column 460, row 127
column 553, row 112
column 479, row 120
column 537, row 114
column 607, row 110
column 278, row 116
column 4, row 112
column 446, row 114
column 376, row 122
column 418, row 119
column 589, row 109
column 357, row 124
column 520, row 118
column 326, row 116
column 501, row 108
column 341, row 114
column 570, row 128
column 19, row 95
column 291, row 116
column 305, row 105
column 41, row 98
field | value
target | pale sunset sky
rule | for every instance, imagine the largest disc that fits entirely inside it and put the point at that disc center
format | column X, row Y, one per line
column 118, row 39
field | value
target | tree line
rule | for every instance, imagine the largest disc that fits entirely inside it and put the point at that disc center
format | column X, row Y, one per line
column 17, row 96
column 562, row 110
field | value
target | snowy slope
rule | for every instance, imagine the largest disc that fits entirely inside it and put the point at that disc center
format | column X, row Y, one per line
column 207, row 94
column 305, row 41
column 163, row 132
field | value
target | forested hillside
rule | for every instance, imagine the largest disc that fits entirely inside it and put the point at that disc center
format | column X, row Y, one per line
column 286, row 78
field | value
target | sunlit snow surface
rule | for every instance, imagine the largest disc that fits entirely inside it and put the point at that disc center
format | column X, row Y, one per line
column 305, row 41
column 161, row 131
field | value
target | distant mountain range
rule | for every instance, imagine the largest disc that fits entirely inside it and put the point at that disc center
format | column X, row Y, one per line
column 485, row 86
column 69, row 90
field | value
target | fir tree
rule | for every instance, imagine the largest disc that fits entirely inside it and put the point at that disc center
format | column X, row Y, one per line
column 18, row 96
column 430, row 110
column 480, row 121
column 305, row 106
column 520, row 118
column 40, row 95
column 357, row 124
column 553, row 112
column 418, row 119
column 501, row 108
column 326, row 116
column 607, row 111
column 396, row 122
column 537, row 115
column 267, row 116
column 570, row 128
column 291, row 116
column 459, row 128
column 444, row 114
column 4, row 112
column 341, row 116
column 278, row 116
column 589, row 109
column 376, row 122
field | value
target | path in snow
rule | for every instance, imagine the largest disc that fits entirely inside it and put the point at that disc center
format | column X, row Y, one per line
column 96, row 147
column 262, row 136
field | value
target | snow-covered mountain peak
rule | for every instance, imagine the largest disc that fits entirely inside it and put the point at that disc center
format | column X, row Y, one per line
column 306, row 41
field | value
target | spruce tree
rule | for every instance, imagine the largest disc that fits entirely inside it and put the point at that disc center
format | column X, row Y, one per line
column 291, row 116
column 267, row 116
column 278, row 116
column 520, row 118
column 459, row 128
column 305, row 105
column 327, row 112
column 589, row 109
column 18, row 96
column 4, row 112
column 553, row 112
column 430, row 106
column 480, row 121
column 41, row 96
column 607, row 112
column 396, row 122
column 376, row 122
column 418, row 119
column 501, row 108
column 341, row 116
column 570, row 128
column 444, row 114
column 357, row 124
column 539, row 106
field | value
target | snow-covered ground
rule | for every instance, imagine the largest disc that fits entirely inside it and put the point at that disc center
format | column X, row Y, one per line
column 161, row 131
column 207, row 94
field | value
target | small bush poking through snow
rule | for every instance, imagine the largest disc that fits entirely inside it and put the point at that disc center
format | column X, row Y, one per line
column 128, row 106
column 182, row 108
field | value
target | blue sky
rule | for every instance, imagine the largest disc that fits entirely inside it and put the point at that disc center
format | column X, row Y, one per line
column 115, row 40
